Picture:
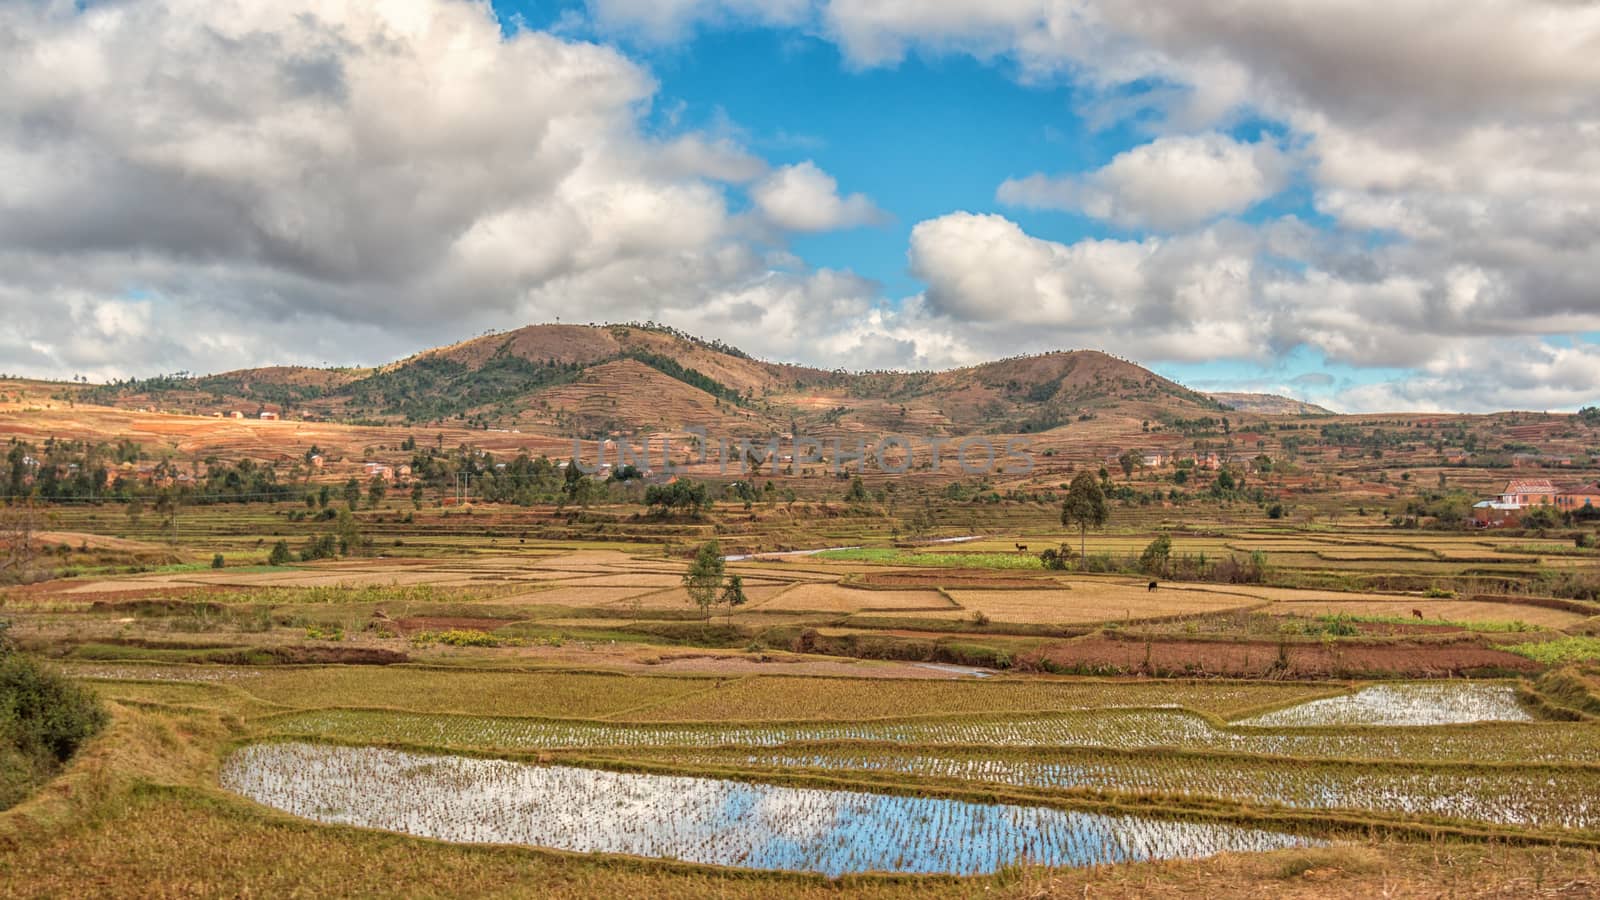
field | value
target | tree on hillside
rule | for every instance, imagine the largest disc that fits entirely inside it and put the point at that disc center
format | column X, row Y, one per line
column 352, row 492
column 279, row 555
column 377, row 488
column 704, row 578
column 1130, row 460
column 1084, row 508
column 733, row 595
column 350, row 541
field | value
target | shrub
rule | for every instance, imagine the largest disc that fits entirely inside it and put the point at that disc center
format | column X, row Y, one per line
column 280, row 554
column 218, row 562
column 44, row 719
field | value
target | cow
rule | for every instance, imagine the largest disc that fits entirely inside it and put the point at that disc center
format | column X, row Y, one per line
column 1022, row 548
column 1151, row 586
column 1417, row 613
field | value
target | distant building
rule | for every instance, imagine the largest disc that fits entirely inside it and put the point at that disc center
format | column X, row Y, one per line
column 1154, row 459
column 268, row 415
column 1576, row 498
column 1524, row 492
column 236, row 414
column 316, row 460
column 379, row 470
column 1495, row 513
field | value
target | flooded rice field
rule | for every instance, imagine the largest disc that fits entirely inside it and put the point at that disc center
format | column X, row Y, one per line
column 1412, row 704
column 1127, row 729
column 703, row 820
column 1536, row 797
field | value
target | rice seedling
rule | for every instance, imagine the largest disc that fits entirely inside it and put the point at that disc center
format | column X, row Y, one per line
column 1413, row 704
column 1536, row 797
column 705, row 820
column 1125, row 729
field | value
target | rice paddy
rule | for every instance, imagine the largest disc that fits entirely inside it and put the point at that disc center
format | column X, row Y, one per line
column 1402, row 705
column 1118, row 729
column 1536, row 798
column 704, row 820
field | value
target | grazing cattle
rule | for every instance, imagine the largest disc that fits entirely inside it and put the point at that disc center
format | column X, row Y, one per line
column 1022, row 548
column 1151, row 587
column 1417, row 613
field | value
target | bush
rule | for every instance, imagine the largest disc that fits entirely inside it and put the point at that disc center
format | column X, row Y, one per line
column 1057, row 559
column 44, row 719
column 218, row 562
column 280, row 554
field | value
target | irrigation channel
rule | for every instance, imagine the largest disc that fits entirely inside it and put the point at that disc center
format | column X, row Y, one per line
column 704, row 820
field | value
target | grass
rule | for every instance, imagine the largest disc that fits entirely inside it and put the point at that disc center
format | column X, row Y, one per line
column 1560, row 651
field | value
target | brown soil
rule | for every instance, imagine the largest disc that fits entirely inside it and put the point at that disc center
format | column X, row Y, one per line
column 961, row 578
column 447, row 623
column 1260, row 659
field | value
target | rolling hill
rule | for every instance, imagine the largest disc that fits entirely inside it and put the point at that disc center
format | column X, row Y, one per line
column 1268, row 404
column 586, row 381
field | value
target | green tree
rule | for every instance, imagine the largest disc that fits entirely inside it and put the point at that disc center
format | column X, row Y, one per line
column 1155, row 556
column 377, row 489
column 218, row 562
column 352, row 492
column 704, row 578
column 416, row 495
column 324, row 496
column 350, row 541
column 279, row 555
column 1084, row 508
column 733, row 594
column 857, row 492
column 1129, row 460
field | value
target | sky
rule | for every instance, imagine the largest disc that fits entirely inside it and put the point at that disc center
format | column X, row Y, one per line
column 1369, row 204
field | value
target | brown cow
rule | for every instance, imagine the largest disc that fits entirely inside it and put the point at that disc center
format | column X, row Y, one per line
column 1417, row 613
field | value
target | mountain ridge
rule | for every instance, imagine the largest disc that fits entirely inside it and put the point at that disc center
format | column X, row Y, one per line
column 596, row 379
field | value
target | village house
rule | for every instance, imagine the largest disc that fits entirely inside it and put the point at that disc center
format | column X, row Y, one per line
column 1495, row 513
column 268, row 415
column 1524, row 492
column 1154, row 459
column 236, row 414
column 380, row 470
column 1576, row 498
column 316, row 460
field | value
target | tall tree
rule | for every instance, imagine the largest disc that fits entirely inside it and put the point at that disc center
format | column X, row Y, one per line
column 1084, row 508
column 704, row 578
column 733, row 594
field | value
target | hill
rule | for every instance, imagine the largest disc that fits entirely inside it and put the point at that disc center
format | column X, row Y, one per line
column 1268, row 404
column 579, row 380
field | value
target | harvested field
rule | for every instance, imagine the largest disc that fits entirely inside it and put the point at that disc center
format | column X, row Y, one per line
column 1264, row 659
column 1444, row 610
column 836, row 598
column 1089, row 602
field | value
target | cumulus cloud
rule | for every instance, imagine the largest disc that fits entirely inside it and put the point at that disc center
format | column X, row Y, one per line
column 210, row 185
column 1187, row 298
column 1173, row 182
column 802, row 197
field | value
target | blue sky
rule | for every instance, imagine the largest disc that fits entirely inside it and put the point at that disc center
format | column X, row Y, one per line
column 931, row 134
column 1236, row 195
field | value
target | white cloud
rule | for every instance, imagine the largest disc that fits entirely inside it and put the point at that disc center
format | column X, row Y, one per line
column 802, row 197
column 1188, row 298
column 214, row 185
column 1170, row 183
